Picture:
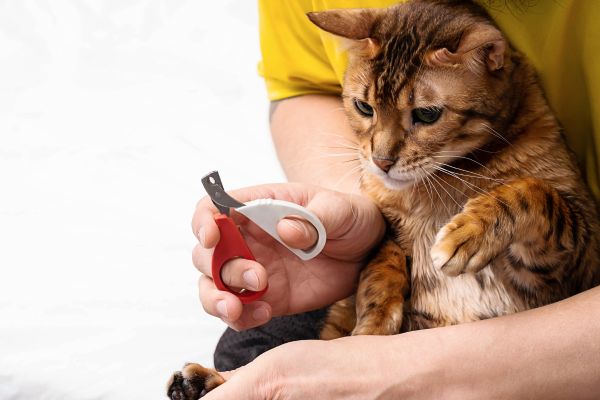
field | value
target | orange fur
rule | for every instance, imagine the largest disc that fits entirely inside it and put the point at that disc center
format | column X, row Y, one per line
column 487, row 199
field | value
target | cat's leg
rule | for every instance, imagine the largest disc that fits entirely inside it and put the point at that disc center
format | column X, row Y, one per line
column 193, row 382
column 541, row 230
column 383, row 286
column 340, row 319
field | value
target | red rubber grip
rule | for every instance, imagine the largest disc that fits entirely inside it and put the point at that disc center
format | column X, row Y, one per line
column 231, row 245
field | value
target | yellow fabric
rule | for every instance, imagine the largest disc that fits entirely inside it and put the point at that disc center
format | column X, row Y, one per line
column 561, row 38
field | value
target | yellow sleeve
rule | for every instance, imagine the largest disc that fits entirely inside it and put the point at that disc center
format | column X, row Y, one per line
column 297, row 57
column 294, row 61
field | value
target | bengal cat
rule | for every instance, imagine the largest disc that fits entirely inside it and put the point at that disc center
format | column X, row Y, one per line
column 464, row 157
column 466, row 161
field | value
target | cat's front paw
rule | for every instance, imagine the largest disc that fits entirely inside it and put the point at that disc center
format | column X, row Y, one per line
column 193, row 382
column 467, row 243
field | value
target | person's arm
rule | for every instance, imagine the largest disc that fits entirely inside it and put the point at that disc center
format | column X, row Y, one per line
column 315, row 143
column 547, row 353
column 552, row 352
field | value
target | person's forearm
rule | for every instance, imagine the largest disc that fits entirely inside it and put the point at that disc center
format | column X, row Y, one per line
column 314, row 142
column 547, row 353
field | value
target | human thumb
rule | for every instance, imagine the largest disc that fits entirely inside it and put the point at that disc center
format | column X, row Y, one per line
column 297, row 233
column 237, row 386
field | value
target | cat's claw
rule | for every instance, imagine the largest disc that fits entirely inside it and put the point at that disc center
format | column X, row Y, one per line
column 465, row 244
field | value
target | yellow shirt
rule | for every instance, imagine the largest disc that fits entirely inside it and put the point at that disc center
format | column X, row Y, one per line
column 560, row 38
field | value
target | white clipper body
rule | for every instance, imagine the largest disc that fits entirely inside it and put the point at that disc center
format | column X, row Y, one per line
column 266, row 213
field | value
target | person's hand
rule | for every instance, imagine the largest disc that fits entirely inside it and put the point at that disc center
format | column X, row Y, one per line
column 356, row 367
column 354, row 226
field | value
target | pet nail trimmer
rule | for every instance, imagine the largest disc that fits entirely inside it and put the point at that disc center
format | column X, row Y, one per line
column 265, row 213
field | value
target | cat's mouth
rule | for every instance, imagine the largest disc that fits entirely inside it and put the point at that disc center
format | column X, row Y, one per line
column 400, row 177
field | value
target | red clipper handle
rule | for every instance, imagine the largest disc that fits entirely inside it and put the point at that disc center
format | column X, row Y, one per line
column 231, row 245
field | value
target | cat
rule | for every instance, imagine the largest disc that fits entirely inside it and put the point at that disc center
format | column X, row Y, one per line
column 487, row 211
column 464, row 157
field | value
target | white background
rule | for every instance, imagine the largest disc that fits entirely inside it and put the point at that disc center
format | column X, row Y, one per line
column 110, row 113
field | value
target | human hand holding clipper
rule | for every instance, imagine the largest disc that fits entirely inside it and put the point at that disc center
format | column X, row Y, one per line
column 265, row 213
column 354, row 226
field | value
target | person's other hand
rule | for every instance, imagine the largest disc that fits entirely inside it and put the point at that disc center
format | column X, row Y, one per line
column 354, row 226
column 357, row 367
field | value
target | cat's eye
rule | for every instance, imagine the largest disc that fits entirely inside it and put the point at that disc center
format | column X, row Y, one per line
column 426, row 115
column 363, row 108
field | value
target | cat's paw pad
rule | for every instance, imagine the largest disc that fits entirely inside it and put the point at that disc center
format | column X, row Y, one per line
column 462, row 246
column 192, row 382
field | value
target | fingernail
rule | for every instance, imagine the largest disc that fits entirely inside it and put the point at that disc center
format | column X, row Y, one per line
column 201, row 235
column 260, row 314
column 222, row 308
column 250, row 279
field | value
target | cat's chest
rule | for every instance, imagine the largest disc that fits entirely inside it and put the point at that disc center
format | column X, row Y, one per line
column 449, row 300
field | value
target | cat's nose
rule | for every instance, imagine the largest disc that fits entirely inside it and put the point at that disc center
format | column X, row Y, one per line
column 384, row 164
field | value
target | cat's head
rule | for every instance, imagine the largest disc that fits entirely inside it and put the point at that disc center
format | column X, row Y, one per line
column 425, row 83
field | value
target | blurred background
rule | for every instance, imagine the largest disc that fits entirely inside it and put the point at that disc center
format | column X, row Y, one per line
column 110, row 113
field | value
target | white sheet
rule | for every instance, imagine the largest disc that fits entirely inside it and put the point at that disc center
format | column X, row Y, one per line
column 110, row 113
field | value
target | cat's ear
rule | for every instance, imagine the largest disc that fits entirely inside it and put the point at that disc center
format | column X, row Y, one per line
column 483, row 45
column 354, row 24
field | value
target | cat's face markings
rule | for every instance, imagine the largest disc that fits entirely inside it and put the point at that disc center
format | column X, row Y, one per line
column 420, row 84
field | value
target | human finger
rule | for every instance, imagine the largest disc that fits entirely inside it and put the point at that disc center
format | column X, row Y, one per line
column 333, row 209
column 229, row 308
column 254, row 314
column 237, row 273
column 240, row 273
column 202, row 259
column 204, row 226
column 218, row 303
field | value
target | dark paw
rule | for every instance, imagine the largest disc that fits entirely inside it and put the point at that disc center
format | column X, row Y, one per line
column 193, row 382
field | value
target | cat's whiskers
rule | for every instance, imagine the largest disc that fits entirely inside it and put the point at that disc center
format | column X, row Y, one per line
column 495, row 133
column 474, row 174
column 467, row 173
column 419, row 72
column 412, row 190
column 332, row 134
column 340, row 147
column 471, row 185
column 426, row 186
column 427, row 175
column 355, row 186
column 474, row 148
column 422, row 177
column 353, row 170
column 465, row 158
column 438, row 179
column 347, row 144
column 324, row 156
